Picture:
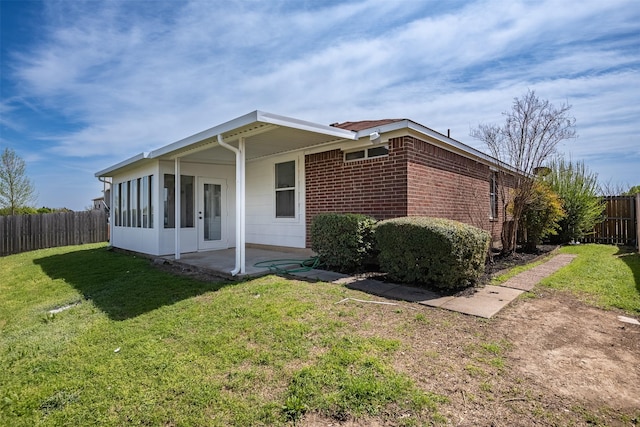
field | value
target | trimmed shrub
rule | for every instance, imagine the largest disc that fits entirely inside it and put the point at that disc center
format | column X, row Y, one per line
column 432, row 252
column 342, row 241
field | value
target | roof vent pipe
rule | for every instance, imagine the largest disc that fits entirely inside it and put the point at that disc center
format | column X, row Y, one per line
column 448, row 133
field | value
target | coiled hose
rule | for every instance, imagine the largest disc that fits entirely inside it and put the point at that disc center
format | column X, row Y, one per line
column 288, row 266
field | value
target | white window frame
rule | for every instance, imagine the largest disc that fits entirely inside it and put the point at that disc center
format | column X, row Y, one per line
column 294, row 189
column 366, row 153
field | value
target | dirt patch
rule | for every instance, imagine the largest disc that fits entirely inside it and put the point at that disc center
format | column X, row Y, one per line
column 575, row 350
column 547, row 359
column 184, row 269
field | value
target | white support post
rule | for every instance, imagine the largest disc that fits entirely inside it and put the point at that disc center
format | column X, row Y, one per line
column 240, row 181
column 177, row 208
column 240, row 203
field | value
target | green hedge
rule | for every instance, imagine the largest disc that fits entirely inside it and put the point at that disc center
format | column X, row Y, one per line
column 434, row 252
column 342, row 241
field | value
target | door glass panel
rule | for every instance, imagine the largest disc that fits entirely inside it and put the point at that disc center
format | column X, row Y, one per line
column 212, row 212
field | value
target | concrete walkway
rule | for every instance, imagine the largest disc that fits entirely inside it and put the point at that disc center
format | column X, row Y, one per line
column 484, row 302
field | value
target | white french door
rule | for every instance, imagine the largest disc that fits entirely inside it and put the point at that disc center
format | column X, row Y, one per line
column 212, row 217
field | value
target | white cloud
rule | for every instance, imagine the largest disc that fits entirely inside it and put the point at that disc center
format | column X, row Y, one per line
column 137, row 77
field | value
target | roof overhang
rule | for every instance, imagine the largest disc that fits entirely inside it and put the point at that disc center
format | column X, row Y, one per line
column 437, row 139
column 265, row 134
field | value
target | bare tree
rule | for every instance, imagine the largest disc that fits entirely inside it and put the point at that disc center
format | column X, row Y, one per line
column 16, row 189
column 612, row 189
column 530, row 135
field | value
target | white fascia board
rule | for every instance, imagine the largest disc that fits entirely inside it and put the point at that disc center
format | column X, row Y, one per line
column 253, row 117
column 107, row 172
column 206, row 134
column 305, row 125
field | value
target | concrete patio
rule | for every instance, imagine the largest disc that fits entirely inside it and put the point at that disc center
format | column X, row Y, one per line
column 221, row 262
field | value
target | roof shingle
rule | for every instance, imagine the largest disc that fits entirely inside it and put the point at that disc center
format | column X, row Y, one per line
column 364, row 124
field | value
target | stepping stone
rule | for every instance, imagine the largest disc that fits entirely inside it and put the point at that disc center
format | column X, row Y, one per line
column 320, row 275
column 527, row 280
column 374, row 287
column 486, row 302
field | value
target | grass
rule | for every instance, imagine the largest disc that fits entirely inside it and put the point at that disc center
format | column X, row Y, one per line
column 141, row 346
column 517, row 270
column 605, row 276
column 137, row 345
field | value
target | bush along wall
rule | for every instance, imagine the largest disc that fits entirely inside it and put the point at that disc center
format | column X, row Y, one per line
column 432, row 252
column 342, row 241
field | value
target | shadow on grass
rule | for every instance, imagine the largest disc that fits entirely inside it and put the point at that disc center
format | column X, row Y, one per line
column 123, row 286
column 632, row 258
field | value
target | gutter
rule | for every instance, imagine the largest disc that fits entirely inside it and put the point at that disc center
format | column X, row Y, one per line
column 240, row 203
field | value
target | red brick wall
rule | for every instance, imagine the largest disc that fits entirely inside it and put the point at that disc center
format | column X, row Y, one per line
column 446, row 185
column 416, row 179
column 375, row 186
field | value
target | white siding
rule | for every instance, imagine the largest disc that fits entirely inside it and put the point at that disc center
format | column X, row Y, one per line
column 262, row 226
column 144, row 240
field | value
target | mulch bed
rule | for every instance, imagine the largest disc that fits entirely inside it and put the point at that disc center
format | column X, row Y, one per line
column 500, row 263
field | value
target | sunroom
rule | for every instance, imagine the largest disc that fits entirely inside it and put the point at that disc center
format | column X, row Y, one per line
column 238, row 183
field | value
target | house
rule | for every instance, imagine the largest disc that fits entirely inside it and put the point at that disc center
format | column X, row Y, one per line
column 259, row 179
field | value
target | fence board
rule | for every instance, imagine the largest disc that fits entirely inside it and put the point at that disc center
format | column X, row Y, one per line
column 21, row 233
column 620, row 224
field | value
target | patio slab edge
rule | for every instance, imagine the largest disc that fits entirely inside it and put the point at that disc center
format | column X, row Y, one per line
column 485, row 302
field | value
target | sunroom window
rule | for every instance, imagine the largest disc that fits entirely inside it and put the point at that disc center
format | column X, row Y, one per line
column 133, row 203
column 187, row 201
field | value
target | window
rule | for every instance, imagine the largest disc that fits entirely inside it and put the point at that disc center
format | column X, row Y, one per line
column 116, row 204
column 132, row 201
column 150, row 202
column 146, row 205
column 126, row 218
column 144, row 201
column 367, row 153
column 493, row 195
column 187, row 201
column 286, row 190
column 354, row 155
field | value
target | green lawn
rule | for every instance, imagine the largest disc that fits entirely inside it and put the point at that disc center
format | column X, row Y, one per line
column 141, row 346
column 602, row 275
column 606, row 276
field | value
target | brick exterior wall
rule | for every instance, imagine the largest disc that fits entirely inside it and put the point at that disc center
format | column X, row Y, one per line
column 447, row 185
column 415, row 179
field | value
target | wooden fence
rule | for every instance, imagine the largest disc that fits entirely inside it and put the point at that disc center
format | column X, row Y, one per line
column 21, row 233
column 620, row 225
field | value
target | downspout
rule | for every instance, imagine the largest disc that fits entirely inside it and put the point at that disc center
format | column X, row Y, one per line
column 176, row 198
column 240, row 203
column 110, row 219
column 104, row 180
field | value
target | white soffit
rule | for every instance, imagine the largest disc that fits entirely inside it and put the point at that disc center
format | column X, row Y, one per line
column 284, row 134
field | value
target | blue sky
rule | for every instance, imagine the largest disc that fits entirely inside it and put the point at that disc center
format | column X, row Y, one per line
column 86, row 84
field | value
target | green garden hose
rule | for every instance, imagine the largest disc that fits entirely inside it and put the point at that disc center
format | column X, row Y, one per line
column 284, row 266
